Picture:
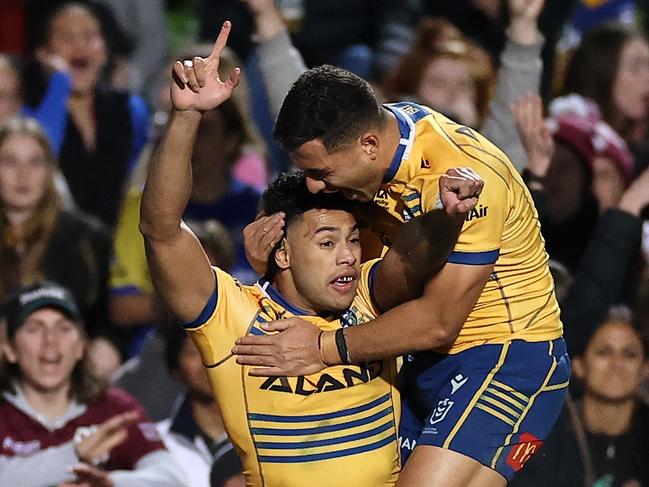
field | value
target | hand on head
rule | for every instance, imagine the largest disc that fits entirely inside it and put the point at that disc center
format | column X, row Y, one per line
column 259, row 239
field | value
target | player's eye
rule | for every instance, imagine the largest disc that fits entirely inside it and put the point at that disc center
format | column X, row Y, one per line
column 326, row 243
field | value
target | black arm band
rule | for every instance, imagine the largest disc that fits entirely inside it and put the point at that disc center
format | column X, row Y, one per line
column 341, row 345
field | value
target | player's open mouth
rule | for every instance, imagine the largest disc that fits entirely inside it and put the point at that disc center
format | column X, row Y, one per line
column 344, row 283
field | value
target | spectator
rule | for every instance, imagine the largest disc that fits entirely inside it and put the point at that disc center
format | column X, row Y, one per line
column 50, row 112
column 605, row 261
column 195, row 434
column 336, row 32
column 603, row 439
column 54, row 413
column 144, row 23
column 41, row 239
column 227, row 151
column 464, row 65
column 611, row 67
column 445, row 71
column 101, row 131
column 588, row 173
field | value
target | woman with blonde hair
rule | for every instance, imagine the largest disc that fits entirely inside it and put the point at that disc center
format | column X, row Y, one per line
column 39, row 237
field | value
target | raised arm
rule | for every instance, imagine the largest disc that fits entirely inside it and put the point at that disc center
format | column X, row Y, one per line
column 519, row 73
column 180, row 270
column 279, row 61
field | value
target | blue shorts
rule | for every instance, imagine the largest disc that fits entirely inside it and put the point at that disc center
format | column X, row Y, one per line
column 493, row 403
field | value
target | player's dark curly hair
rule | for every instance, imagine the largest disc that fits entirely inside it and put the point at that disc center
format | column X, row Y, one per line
column 288, row 193
column 330, row 104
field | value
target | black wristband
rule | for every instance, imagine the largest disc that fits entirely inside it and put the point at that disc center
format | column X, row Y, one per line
column 341, row 345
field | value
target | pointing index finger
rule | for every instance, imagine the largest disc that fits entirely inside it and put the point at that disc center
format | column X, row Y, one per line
column 221, row 40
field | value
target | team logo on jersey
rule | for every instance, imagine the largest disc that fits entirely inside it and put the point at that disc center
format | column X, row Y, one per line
column 527, row 446
column 382, row 198
column 348, row 318
column 21, row 448
column 466, row 131
column 442, row 409
column 410, row 109
column 479, row 212
column 456, row 382
column 425, row 164
column 349, row 377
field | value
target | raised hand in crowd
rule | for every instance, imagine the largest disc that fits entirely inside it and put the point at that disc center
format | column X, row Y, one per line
column 534, row 133
column 51, row 60
column 636, row 196
column 523, row 24
column 267, row 17
column 608, row 184
column 197, row 85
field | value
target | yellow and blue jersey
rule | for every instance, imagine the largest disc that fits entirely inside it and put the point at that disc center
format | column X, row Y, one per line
column 336, row 427
column 518, row 301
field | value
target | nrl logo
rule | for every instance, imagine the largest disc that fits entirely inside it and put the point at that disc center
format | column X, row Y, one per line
column 442, row 409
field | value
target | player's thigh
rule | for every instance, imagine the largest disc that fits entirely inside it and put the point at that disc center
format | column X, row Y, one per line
column 497, row 408
column 432, row 466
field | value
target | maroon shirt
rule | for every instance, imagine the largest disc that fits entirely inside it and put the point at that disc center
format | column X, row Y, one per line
column 23, row 435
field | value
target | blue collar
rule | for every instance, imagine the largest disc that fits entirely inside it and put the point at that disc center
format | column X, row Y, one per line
column 279, row 299
column 404, row 131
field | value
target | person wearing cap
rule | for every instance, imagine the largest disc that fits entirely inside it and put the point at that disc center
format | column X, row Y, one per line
column 58, row 422
column 588, row 150
column 583, row 171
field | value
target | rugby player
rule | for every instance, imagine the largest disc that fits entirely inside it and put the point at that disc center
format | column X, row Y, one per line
column 487, row 370
column 337, row 426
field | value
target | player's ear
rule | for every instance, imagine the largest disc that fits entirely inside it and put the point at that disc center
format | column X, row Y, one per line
column 370, row 144
column 282, row 258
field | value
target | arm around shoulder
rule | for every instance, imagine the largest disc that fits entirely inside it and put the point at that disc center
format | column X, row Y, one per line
column 432, row 321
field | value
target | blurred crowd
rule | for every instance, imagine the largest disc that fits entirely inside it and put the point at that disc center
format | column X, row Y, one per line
column 91, row 362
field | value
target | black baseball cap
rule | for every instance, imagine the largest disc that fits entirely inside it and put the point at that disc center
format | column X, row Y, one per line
column 37, row 296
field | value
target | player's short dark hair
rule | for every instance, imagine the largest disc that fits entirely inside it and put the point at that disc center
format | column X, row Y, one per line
column 330, row 104
column 288, row 193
